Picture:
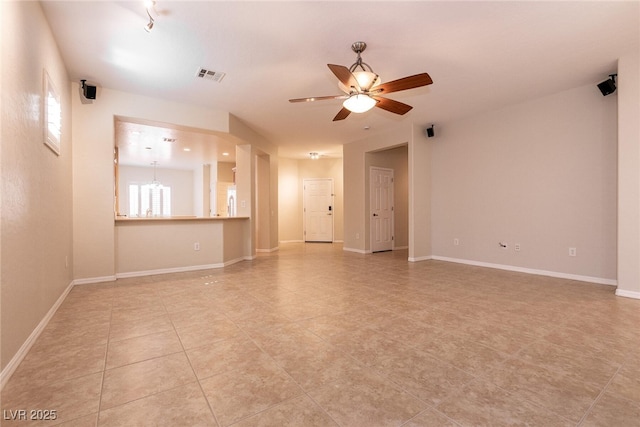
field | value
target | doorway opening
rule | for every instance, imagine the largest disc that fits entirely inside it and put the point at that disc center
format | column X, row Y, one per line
column 387, row 196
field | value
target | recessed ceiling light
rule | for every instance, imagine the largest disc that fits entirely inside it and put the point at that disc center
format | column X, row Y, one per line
column 186, row 149
column 225, row 154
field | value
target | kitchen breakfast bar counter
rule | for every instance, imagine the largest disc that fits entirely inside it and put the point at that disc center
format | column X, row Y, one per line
column 157, row 245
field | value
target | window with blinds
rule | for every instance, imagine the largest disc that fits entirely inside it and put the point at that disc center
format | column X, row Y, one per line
column 149, row 200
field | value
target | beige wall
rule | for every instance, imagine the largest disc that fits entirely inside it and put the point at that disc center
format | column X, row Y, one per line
column 225, row 171
column 290, row 201
column 157, row 246
column 291, row 174
column 628, row 267
column 541, row 174
column 263, row 208
column 420, row 187
column 36, row 230
column 161, row 246
column 259, row 147
column 356, row 176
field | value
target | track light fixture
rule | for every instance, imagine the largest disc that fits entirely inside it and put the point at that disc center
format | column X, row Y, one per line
column 149, row 5
column 314, row 156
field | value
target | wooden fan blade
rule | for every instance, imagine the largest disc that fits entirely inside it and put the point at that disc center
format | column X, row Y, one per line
column 318, row 98
column 403, row 84
column 344, row 75
column 392, row 105
column 342, row 114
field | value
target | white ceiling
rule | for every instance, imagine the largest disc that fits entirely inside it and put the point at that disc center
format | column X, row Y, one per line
column 481, row 56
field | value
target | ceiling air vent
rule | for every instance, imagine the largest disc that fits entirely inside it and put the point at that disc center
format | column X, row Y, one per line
column 216, row 76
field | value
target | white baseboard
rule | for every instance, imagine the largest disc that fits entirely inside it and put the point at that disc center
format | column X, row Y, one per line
column 15, row 361
column 420, row 258
column 302, row 241
column 627, row 294
column 237, row 260
column 268, row 250
column 143, row 273
column 364, row 251
column 183, row 269
column 92, row 280
column 360, row 251
column 590, row 279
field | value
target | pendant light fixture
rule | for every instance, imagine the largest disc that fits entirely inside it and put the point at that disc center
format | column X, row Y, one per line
column 155, row 181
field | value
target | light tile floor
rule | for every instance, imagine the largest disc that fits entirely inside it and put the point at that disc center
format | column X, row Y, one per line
column 314, row 336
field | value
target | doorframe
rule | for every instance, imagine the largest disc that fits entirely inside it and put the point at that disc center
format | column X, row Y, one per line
column 393, row 213
column 304, row 212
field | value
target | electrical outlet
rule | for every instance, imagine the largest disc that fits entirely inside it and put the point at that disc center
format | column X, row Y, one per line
column 196, row 246
column 572, row 251
column 516, row 247
column 357, row 236
column 456, row 241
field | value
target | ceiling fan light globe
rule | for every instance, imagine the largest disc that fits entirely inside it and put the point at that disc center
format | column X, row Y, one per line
column 366, row 80
column 359, row 103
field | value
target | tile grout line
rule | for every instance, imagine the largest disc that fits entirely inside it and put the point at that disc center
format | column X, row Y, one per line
column 106, row 355
column 184, row 350
column 595, row 401
column 373, row 371
column 304, row 392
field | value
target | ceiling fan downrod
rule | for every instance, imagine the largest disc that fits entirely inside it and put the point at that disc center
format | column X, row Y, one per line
column 358, row 48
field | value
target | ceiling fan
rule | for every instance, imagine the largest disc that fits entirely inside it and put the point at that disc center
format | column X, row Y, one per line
column 363, row 89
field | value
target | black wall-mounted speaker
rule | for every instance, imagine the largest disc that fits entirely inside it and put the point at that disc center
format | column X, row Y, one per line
column 88, row 91
column 429, row 132
column 607, row 87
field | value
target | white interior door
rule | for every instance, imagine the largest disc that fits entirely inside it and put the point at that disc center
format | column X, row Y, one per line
column 381, row 207
column 318, row 210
